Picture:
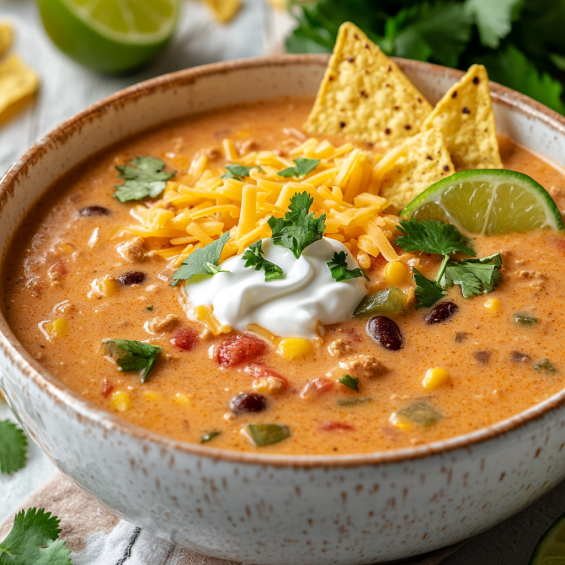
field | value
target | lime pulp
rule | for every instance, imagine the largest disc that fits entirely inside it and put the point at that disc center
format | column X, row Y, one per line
column 489, row 201
column 550, row 549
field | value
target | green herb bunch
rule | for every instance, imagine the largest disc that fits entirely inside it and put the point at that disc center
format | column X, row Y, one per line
column 521, row 42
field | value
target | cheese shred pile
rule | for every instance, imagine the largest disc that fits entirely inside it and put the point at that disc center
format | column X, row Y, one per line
column 196, row 209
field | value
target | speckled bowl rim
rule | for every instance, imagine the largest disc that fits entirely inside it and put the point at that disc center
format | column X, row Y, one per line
column 16, row 353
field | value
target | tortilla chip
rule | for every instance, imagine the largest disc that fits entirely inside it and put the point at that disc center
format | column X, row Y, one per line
column 465, row 117
column 365, row 96
column 17, row 81
column 6, row 37
column 427, row 161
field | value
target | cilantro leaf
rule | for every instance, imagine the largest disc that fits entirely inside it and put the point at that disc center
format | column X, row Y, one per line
column 493, row 18
column 298, row 229
column 133, row 355
column 427, row 292
column 474, row 276
column 349, row 382
column 339, row 270
column 431, row 236
column 144, row 176
column 34, row 539
column 13, row 444
column 203, row 261
column 235, row 171
column 302, row 168
column 253, row 257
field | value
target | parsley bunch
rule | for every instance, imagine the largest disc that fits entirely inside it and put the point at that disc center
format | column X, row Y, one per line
column 144, row 176
column 521, row 42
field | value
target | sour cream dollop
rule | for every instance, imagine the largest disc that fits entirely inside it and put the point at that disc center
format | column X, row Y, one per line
column 289, row 307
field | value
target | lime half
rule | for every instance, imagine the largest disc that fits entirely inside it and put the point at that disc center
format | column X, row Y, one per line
column 111, row 36
column 550, row 549
column 490, row 201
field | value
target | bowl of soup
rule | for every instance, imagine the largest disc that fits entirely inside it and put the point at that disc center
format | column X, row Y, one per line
column 190, row 328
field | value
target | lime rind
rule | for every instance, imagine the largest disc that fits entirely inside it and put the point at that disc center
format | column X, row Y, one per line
column 487, row 201
column 550, row 549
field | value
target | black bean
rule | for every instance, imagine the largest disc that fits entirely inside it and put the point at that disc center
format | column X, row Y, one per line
column 385, row 332
column 518, row 357
column 133, row 277
column 441, row 312
column 482, row 357
column 248, row 402
column 94, row 211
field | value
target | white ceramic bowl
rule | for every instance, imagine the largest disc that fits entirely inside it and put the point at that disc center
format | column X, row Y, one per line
column 264, row 509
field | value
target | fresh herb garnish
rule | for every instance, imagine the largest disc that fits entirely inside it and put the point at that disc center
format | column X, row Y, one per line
column 298, row 229
column 353, row 401
column 474, row 276
column 339, row 270
column 427, row 292
column 133, row 355
column 421, row 413
column 209, row 436
column 13, row 448
column 237, row 172
column 523, row 319
column 253, row 257
column 349, row 382
column 546, row 366
column 431, row 236
column 34, row 539
column 203, row 261
column 144, row 176
column 150, row 308
column 268, row 434
column 302, row 167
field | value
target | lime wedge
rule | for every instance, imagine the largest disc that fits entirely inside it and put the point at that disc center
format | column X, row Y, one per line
column 550, row 549
column 110, row 36
column 487, row 202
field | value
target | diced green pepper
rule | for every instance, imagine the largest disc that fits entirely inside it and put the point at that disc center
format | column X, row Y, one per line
column 524, row 319
column 389, row 301
column 350, row 382
column 546, row 366
column 421, row 413
column 353, row 401
column 209, row 436
column 268, row 434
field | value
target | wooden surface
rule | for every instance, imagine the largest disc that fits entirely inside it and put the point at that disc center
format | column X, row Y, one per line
column 68, row 88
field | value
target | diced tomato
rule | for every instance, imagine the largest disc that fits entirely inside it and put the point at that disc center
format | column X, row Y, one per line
column 242, row 347
column 185, row 339
column 260, row 371
column 317, row 386
column 107, row 388
column 377, row 262
column 335, row 426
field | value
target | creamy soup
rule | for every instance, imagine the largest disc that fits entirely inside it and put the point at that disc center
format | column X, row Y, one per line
column 75, row 276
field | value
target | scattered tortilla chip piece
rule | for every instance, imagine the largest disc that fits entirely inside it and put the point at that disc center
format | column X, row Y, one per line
column 6, row 37
column 427, row 161
column 17, row 81
column 465, row 117
column 365, row 96
column 223, row 10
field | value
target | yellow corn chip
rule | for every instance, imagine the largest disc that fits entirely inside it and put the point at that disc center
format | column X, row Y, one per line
column 365, row 96
column 223, row 10
column 464, row 116
column 17, row 81
column 427, row 161
column 6, row 37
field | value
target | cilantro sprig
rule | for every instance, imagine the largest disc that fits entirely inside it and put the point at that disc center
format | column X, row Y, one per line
column 13, row 448
column 253, row 257
column 302, row 167
column 427, row 292
column 203, row 261
column 133, row 355
column 144, row 176
column 349, row 382
column 339, row 268
column 474, row 276
column 431, row 236
column 237, row 172
column 298, row 229
column 34, row 538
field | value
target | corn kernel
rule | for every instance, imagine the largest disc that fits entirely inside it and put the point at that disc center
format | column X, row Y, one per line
column 493, row 305
column 364, row 260
column 107, row 286
column 152, row 396
column 183, row 400
column 395, row 273
column 120, row 401
column 436, row 378
column 400, row 423
column 294, row 348
column 57, row 328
